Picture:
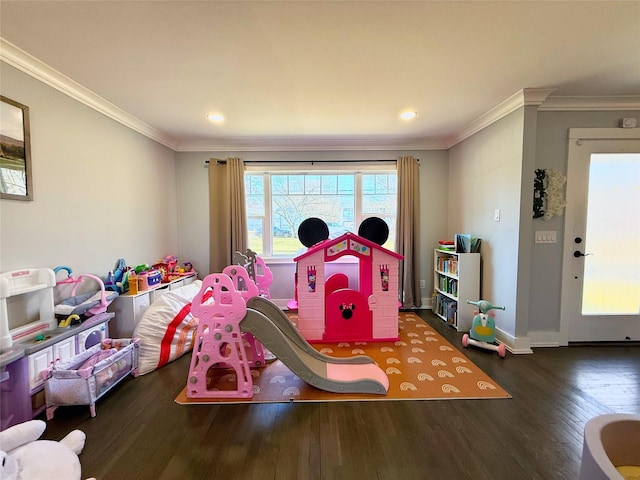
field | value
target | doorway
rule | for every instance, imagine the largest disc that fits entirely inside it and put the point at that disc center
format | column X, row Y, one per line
column 601, row 256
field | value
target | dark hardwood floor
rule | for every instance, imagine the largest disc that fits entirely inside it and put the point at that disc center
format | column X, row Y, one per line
column 140, row 433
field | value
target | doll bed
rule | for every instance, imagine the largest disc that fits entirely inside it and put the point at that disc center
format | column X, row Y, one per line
column 66, row 383
column 88, row 304
column 167, row 328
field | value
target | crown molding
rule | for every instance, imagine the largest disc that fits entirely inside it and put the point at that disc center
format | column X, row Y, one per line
column 578, row 104
column 524, row 97
column 14, row 56
column 286, row 144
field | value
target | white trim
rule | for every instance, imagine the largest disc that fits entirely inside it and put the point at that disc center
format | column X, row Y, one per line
column 290, row 144
column 577, row 104
column 544, row 338
column 604, row 133
column 515, row 345
column 12, row 55
column 525, row 97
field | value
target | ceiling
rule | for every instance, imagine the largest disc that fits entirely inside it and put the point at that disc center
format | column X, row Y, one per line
column 323, row 74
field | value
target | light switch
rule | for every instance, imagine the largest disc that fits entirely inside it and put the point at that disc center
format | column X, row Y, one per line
column 496, row 215
column 546, row 236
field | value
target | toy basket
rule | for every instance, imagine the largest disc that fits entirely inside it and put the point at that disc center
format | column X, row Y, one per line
column 87, row 304
column 69, row 382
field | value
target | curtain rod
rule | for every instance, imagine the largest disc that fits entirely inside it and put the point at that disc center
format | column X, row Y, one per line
column 312, row 162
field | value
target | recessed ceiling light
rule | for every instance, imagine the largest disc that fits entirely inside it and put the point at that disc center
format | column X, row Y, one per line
column 215, row 117
column 408, row 115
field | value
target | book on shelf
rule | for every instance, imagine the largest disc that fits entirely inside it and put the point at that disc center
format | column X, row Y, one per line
column 446, row 308
column 465, row 243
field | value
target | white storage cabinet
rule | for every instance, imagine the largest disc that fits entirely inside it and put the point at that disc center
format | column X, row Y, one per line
column 129, row 309
column 456, row 279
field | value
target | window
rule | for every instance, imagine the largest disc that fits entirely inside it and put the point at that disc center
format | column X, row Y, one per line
column 278, row 201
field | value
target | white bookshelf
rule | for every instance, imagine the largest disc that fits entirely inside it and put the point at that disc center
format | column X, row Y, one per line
column 456, row 279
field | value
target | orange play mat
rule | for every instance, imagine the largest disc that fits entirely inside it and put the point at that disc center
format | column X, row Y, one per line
column 421, row 365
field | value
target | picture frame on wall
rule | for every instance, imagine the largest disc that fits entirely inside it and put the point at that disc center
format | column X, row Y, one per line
column 16, row 182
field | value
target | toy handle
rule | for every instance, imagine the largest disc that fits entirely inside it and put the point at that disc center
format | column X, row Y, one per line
column 69, row 278
column 484, row 306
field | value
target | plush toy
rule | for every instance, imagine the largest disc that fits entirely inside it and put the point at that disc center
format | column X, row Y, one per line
column 24, row 457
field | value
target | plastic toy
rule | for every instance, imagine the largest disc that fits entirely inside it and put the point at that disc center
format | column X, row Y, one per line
column 116, row 277
column 329, row 309
column 257, row 270
column 87, row 304
column 223, row 316
column 483, row 328
column 24, row 457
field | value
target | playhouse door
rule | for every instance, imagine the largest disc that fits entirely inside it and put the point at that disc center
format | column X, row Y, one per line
column 348, row 317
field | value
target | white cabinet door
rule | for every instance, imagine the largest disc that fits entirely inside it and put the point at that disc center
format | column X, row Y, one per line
column 37, row 362
column 64, row 349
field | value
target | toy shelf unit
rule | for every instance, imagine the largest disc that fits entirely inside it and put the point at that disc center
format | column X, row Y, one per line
column 456, row 279
column 26, row 304
column 130, row 307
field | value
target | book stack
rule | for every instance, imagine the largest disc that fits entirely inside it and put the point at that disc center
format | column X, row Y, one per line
column 447, row 265
column 447, row 246
column 465, row 243
column 446, row 309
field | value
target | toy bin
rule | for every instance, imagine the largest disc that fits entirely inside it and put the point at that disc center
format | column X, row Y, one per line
column 85, row 378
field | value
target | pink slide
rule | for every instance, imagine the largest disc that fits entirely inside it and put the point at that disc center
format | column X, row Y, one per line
column 318, row 370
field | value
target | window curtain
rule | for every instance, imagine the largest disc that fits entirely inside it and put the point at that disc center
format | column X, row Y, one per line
column 227, row 212
column 408, row 231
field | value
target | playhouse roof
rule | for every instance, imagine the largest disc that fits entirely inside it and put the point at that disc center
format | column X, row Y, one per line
column 352, row 239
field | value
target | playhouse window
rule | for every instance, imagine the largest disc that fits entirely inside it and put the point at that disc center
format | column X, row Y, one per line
column 279, row 200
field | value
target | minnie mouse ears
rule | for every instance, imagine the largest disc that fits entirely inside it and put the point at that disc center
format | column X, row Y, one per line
column 314, row 230
column 374, row 229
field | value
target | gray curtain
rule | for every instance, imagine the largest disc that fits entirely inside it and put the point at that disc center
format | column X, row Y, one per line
column 408, row 231
column 227, row 212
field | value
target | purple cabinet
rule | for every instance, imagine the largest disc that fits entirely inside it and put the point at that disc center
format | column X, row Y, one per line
column 15, row 398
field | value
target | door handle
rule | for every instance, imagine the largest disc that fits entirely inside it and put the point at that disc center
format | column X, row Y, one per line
column 579, row 254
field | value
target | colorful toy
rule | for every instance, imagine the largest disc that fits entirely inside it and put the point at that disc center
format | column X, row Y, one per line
column 87, row 304
column 116, row 277
column 483, row 328
column 257, row 270
column 247, row 289
column 24, row 457
column 223, row 317
column 328, row 309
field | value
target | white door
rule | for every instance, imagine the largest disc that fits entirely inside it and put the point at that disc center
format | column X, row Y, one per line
column 601, row 258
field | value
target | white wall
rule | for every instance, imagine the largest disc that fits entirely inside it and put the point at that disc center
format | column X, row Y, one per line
column 193, row 199
column 484, row 175
column 101, row 190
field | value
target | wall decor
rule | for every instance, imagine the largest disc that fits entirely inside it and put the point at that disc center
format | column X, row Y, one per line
column 15, row 151
column 548, row 200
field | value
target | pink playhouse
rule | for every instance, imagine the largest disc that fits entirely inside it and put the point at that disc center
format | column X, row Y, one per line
column 330, row 311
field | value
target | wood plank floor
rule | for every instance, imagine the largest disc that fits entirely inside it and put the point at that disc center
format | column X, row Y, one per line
column 140, row 433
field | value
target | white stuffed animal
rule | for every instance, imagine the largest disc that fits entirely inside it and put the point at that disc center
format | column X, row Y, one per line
column 24, row 457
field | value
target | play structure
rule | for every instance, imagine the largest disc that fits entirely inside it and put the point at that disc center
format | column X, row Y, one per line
column 483, row 328
column 225, row 317
column 257, row 270
column 328, row 308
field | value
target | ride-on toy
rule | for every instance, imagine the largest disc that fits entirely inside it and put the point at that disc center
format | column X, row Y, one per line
column 483, row 328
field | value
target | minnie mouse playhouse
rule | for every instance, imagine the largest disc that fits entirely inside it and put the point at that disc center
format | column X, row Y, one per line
column 330, row 311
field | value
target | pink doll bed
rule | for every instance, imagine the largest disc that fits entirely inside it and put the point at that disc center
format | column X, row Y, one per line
column 83, row 379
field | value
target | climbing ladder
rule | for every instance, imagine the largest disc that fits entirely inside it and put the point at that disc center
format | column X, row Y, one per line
column 219, row 340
